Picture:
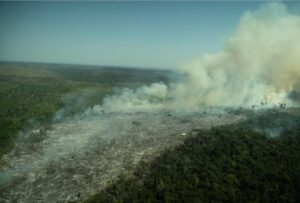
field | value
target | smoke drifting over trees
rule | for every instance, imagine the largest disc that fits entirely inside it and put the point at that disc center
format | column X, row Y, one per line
column 259, row 63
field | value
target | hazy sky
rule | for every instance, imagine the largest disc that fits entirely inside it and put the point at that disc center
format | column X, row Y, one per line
column 139, row 34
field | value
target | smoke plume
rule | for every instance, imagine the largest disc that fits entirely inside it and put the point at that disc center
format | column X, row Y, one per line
column 259, row 64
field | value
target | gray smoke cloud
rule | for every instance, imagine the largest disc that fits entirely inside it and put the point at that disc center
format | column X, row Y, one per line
column 259, row 63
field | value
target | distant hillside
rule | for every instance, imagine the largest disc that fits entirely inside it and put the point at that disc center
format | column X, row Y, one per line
column 31, row 93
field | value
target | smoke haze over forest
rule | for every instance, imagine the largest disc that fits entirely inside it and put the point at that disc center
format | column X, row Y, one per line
column 106, row 120
column 259, row 64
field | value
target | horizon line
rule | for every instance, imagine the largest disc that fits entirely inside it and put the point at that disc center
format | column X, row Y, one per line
column 87, row 65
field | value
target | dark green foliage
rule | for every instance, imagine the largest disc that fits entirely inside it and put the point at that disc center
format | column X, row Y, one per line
column 219, row 165
column 112, row 75
column 31, row 93
column 25, row 99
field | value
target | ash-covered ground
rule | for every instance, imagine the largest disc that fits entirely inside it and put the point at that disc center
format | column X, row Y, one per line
column 78, row 157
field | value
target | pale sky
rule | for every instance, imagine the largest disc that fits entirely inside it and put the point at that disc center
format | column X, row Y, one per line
column 137, row 34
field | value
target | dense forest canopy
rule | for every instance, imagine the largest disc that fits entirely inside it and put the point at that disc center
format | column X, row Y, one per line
column 233, row 163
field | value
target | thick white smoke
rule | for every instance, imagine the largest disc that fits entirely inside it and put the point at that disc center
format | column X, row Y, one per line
column 259, row 63
column 144, row 98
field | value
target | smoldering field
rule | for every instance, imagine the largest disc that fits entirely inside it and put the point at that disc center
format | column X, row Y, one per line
column 82, row 155
column 79, row 155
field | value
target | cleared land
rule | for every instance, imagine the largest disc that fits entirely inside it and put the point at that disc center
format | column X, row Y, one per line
column 30, row 93
column 53, row 149
column 257, row 160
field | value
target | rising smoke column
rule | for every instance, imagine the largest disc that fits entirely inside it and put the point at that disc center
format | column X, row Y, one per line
column 260, row 62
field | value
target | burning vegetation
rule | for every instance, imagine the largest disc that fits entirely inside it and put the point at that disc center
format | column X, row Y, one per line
column 227, row 129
